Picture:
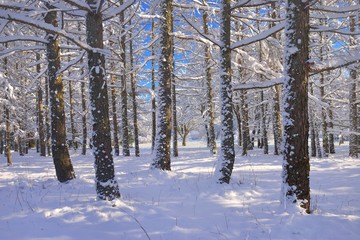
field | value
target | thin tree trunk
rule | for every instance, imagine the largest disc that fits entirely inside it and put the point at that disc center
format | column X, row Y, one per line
column 72, row 116
column 209, row 92
column 246, row 142
column 83, row 118
column 106, row 184
column 353, row 142
column 42, row 145
column 61, row 157
column 163, row 129
column 238, row 118
column 296, row 165
column 277, row 121
column 47, row 118
column 123, row 91
column 114, row 113
column 133, row 94
column 331, row 132
column 153, row 101
column 264, row 125
column 8, row 137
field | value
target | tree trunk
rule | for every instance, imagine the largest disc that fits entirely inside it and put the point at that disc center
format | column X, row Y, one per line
column 72, row 116
column 83, row 118
column 133, row 94
column 277, row 121
column 163, row 129
column 47, row 118
column 209, row 92
column 174, row 118
column 106, row 184
column 353, row 142
column 114, row 113
column 153, row 101
column 264, row 137
column 227, row 152
column 42, row 145
column 296, row 165
column 61, row 157
column 238, row 118
column 8, row 136
column 123, row 91
column 331, row 133
column 246, row 142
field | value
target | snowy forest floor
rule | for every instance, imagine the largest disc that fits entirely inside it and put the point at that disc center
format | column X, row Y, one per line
column 185, row 203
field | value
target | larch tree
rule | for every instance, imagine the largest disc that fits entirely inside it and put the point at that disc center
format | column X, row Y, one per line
column 209, row 92
column 227, row 154
column 106, row 185
column 296, row 165
column 162, row 154
column 59, row 149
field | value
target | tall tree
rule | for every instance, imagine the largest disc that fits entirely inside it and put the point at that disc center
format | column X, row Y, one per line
column 59, row 149
column 106, row 184
column 209, row 92
column 133, row 94
column 163, row 128
column 123, row 90
column 353, row 143
column 227, row 153
column 296, row 165
column 41, row 127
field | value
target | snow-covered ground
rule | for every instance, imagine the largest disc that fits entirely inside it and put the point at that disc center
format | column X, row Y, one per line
column 185, row 203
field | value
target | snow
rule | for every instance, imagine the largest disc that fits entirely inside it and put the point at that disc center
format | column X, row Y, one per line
column 185, row 203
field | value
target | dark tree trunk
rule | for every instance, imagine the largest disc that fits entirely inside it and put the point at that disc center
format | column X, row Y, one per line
column 246, row 142
column 114, row 114
column 227, row 152
column 296, row 165
column 60, row 153
column 123, row 91
column 277, row 121
column 8, row 136
column 209, row 92
column 163, row 129
column 238, row 118
column 106, row 184
column 47, row 118
column 353, row 141
column 331, row 133
column 83, row 118
column 153, row 101
column 133, row 94
column 264, row 137
column 41, row 128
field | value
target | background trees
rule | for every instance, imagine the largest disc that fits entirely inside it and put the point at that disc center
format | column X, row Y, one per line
column 147, row 56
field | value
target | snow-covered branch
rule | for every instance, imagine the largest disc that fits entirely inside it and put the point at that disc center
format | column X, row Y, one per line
column 22, row 38
column 214, row 41
column 258, row 37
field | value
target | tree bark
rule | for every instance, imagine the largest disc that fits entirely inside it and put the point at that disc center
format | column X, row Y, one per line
column 227, row 152
column 246, row 142
column 153, row 101
column 133, row 94
column 40, row 108
column 114, row 113
column 59, row 149
column 209, row 92
column 106, row 184
column 163, row 128
column 296, row 165
column 353, row 142
column 83, row 118
column 123, row 91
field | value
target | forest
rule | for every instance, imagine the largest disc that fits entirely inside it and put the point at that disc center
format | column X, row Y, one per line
column 161, row 86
